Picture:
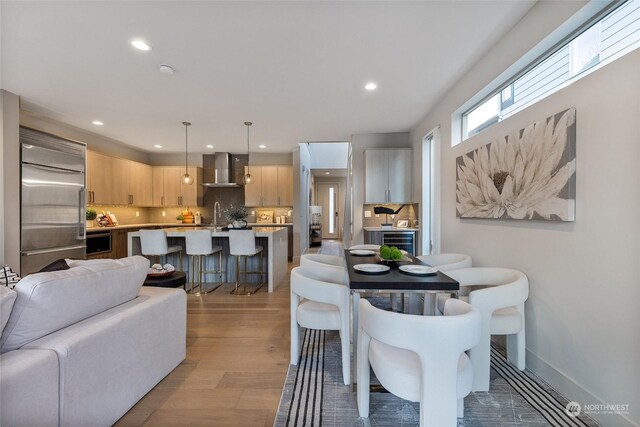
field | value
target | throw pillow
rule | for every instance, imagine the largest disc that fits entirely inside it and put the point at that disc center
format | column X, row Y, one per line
column 57, row 265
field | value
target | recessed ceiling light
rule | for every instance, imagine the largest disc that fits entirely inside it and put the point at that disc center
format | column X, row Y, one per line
column 157, row 146
column 262, row 146
column 167, row 69
column 141, row 45
column 97, row 122
column 371, row 86
column 327, row 173
column 209, row 146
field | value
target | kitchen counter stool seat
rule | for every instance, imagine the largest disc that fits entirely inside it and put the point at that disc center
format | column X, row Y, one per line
column 242, row 244
column 199, row 245
column 153, row 243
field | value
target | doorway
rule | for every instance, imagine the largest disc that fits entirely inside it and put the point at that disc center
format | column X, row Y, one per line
column 328, row 196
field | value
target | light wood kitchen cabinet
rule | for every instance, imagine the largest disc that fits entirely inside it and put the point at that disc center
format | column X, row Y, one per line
column 140, row 184
column 114, row 181
column 388, row 175
column 119, row 176
column 191, row 195
column 271, row 186
column 99, row 184
column 285, row 186
column 168, row 189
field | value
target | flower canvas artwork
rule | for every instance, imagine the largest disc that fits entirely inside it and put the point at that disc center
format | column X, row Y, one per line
column 528, row 174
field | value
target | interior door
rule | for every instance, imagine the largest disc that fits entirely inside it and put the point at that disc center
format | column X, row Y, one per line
column 328, row 197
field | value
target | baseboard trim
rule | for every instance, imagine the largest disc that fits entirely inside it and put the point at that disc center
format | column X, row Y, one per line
column 574, row 392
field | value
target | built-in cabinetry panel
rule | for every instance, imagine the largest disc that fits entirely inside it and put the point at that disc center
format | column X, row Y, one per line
column 114, row 181
column 169, row 190
column 388, row 175
column 271, row 186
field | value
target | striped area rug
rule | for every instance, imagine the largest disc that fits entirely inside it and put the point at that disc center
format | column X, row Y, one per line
column 305, row 405
column 314, row 395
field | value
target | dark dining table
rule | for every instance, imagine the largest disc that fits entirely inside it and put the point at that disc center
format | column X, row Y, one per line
column 392, row 281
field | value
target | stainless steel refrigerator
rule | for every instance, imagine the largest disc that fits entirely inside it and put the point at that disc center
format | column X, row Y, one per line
column 53, row 200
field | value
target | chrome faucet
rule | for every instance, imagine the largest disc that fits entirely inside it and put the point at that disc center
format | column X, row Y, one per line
column 216, row 208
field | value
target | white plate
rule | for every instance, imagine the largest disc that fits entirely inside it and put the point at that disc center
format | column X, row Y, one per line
column 421, row 270
column 361, row 252
column 371, row 268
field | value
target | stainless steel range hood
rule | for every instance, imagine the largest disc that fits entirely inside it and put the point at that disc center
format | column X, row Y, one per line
column 222, row 172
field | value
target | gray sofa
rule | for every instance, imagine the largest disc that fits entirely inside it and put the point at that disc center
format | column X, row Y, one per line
column 82, row 346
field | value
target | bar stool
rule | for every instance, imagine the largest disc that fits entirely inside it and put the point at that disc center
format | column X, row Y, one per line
column 242, row 244
column 199, row 244
column 153, row 243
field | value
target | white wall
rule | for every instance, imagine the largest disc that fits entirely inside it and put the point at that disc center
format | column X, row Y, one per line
column 360, row 143
column 582, row 323
column 301, row 174
column 329, row 155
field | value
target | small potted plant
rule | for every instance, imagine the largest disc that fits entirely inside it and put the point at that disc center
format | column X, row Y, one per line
column 237, row 216
column 179, row 218
column 91, row 215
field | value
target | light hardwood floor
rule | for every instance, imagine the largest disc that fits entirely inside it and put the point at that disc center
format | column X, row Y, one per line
column 237, row 361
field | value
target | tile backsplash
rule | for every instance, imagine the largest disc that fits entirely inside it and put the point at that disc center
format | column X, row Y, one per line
column 409, row 212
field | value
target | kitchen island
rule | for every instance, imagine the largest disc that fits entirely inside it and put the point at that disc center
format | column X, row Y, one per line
column 272, row 239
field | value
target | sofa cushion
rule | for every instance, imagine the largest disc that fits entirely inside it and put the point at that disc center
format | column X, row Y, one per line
column 7, row 298
column 47, row 302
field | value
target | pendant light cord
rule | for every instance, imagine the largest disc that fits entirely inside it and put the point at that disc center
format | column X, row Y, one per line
column 186, row 148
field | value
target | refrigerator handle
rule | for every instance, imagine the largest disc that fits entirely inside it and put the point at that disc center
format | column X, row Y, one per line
column 82, row 219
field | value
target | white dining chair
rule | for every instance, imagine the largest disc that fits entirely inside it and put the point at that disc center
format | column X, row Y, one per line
column 319, row 300
column 419, row 358
column 242, row 245
column 199, row 245
column 443, row 262
column 499, row 295
column 325, row 261
column 153, row 243
column 448, row 261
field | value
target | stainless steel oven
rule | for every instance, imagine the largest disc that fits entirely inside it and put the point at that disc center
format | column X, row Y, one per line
column 98, row 242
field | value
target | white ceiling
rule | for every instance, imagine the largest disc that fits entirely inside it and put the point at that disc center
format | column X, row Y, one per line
column 296, row 69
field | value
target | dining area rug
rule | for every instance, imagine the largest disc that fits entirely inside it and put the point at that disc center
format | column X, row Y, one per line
column 315, row 395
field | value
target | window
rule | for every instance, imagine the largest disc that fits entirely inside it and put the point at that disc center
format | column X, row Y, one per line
column 613, row 36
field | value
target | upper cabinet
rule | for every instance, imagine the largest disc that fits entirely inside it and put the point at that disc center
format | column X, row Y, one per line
column 140, row 184
column 388, row 175
column 271, row 186
column 169, row 190
column 113, row 181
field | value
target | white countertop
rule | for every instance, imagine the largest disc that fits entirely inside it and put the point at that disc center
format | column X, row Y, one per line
column 390, row 229
column 176, row 224
column 180, row 231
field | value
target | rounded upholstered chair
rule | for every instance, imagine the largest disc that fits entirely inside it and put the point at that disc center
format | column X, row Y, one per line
column 499, row 295
column 445, row 262
column 199, row 245
column 419, row 358
column 442, row 262
column 319, row 300
column 325, row 261
column 153, row 243
column 321, row 260
column 242, row 245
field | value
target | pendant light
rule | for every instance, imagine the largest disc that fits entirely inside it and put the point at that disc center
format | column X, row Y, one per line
column 186, row 178
column 247, row 178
